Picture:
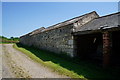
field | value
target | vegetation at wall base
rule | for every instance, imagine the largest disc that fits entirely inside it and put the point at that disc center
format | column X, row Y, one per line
column 55, row 67
column 72, row 67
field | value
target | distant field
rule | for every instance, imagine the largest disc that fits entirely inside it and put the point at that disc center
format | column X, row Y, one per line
column 8, row 40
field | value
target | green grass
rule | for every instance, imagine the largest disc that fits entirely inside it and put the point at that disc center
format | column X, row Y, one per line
column 74, row 68
column 5, row 40
column 55, row 67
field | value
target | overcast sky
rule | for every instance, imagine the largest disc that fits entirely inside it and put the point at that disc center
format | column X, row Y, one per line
column 20, row 18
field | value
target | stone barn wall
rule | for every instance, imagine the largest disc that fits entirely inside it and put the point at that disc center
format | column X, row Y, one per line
column 57, row 38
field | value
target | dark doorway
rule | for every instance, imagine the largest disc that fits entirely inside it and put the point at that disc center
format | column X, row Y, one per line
column 115, row 57
column 89, row 47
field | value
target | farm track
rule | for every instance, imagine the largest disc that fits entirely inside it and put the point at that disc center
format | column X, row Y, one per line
column 15, row 64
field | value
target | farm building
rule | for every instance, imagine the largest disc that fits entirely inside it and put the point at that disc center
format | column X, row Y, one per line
column 88, row 37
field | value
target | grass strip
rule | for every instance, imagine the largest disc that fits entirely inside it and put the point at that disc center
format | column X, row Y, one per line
column 50, row 64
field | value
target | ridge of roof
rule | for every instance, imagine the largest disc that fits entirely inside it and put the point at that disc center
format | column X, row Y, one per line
column 74, row 18
column 67, row 22
column 109, row 15
column 61, row 24
column 95, row 25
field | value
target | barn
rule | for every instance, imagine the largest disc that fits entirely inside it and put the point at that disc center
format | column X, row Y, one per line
column 89, row 36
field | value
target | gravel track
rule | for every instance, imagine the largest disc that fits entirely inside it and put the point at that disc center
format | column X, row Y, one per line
column 16, row 64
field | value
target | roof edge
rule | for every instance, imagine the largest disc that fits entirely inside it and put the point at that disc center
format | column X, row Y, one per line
column 109, row 15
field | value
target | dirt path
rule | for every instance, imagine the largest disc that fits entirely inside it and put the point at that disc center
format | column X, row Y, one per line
column 17, row 65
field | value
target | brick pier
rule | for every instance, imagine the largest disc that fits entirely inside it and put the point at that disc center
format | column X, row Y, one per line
column 106, row 48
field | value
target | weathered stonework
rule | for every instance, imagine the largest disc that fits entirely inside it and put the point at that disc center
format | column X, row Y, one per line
column 87, row 36
column 57, row 38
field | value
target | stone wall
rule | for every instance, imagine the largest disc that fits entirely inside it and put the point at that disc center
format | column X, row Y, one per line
column 59, row 40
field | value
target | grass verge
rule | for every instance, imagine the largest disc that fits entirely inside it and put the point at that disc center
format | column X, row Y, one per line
column 72, row 67
column 5, row 43
column 50, row 64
